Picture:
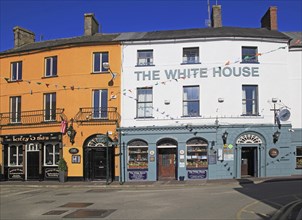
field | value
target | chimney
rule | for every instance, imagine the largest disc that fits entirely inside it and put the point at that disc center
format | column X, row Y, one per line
column 216, row 16
column 22, row 37
column 91, row 26
column 269, row 20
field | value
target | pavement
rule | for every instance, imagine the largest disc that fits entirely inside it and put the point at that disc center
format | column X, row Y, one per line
column 149, row 184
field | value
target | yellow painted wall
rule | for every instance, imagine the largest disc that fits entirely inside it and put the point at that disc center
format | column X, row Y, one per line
column 74, row 69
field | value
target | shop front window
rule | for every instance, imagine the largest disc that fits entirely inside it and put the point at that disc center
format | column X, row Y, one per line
column 138, row 155
column 299, row 157
column 15, row 155
column 51, row 154
column 197, row 153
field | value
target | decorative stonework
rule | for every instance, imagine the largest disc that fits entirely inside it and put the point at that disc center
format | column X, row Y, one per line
column 249, row 139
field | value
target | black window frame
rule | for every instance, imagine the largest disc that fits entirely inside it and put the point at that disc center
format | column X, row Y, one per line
column 249, row 57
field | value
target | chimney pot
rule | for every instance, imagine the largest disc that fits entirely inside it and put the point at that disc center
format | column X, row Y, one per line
column 22, row 36
column 216, row 20
column 269, row 20
column 91, row 26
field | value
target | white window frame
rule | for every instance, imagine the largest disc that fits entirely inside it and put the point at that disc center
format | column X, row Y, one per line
column 187, row 57
column 51, row 109
column 101, row 62
column 253, row 100
column 102, row 112
column 18, row 164
column 145, row 57
column 249, row 58
column 147, row 105
column 54, row 154
column 17, row 111
column 51, row 73
column 18, row 74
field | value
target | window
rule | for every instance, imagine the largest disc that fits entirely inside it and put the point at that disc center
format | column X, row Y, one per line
column 144, row 57
column 249, row 55
column 190, row 55
column 51, row 154
column 191, row 101
column 15, row 155
column 50, row 105
column 100, row 103
column 15, row 109
column 51, row 66
column 138, row 155
column 197, row 153
column 250, row 100
column 16, row 71
column 144, row 102
column 299, row 157
column 99, row 58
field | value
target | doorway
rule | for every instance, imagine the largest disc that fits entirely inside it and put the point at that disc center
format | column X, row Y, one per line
column 32, row 165
column 249, row 162
column 166, row 163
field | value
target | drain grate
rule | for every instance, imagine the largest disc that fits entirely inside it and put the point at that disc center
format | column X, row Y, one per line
column 55, row 212
column 90, row 213
column 76, row 205
column 45, row 201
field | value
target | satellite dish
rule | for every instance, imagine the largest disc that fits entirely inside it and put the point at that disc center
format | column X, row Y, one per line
column 284, row 114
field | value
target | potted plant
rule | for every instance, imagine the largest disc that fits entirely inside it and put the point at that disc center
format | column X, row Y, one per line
column 62, row 166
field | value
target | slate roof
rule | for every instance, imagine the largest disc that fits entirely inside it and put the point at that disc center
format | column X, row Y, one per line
column 296, row 39
column 153, row 35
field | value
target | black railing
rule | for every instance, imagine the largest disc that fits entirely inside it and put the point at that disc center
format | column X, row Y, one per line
column 97, row 115
column 32, row 117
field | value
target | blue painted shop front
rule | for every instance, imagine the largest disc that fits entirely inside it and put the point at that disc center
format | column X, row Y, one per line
column 206, row 152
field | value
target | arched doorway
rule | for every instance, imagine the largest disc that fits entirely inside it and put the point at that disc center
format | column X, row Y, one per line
column 249, row 155
column 98, row 158
column 166, row 159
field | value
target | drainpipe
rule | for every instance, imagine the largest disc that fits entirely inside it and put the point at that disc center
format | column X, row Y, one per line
column 120, row 154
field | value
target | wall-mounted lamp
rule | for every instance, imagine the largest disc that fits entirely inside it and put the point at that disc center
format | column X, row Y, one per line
column 71, row 132
column 220, row 100
column 113, row 75
column 225, row 137
column 276, row 136
column 274, row 100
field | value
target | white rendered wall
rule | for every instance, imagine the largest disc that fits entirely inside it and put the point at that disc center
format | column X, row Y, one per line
column 271, row 76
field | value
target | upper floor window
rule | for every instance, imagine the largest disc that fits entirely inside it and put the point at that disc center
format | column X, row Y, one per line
column 191, row 101
column 15, row 109
column 100, row 103
column 51, row 66
column 249, row 55
column 250, row 100
column 99, row 58
column 50, row 105
column 15, row 155
column 144, row 57
column 16, row 71
column 144, row 102
column 190, row 55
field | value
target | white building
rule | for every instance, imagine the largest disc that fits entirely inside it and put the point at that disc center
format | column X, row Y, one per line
column 219, row 102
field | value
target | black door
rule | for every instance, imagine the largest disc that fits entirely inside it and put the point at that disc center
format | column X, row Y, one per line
column 32, row 165
column 249, row 162
column 96, row 164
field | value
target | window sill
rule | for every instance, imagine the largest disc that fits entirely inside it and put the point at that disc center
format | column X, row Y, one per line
column 144, row 65
column 191, row 116
column 144, row 117
column 251, row 115
column 15, row 81
column 298, row 168
column 102, row 72
column 246, row 62
column 190, row 63
column 46, row 77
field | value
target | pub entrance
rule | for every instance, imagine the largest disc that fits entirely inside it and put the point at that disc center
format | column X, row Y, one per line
column 32, row 161
column 249, row 162
column 98, row 159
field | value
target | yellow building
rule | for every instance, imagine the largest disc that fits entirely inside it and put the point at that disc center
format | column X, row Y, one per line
column 60, row 99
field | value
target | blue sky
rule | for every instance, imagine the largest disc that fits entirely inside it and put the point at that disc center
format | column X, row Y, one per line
column 65, row 18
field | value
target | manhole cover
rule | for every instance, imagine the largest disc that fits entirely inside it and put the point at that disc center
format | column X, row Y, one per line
column 101, row 190
column 76, row 205
column 90, row 213
column 55, row 212
column 45, row 201
column 62, row 194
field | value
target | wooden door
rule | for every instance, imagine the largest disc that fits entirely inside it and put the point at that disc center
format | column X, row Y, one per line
column 166, row 163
